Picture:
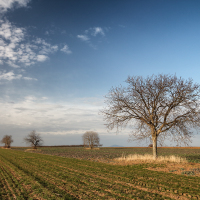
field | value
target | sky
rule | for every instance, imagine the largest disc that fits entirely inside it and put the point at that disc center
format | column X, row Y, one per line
column 58, row 60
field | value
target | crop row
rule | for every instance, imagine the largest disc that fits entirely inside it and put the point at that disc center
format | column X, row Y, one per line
column 100, row 188
column 135, row 174
column 49, row 177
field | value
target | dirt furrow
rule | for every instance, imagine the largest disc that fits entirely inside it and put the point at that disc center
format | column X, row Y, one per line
column 174, row 196
column 28, row 188
column 80, row 187
column 128, row 184
column 6, row 185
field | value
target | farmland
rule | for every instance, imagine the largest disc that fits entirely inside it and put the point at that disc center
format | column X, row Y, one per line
column 60, row 175
column 109, row 153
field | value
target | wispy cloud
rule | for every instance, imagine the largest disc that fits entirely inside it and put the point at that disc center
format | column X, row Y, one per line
column 92, row 33
column 58, row 118
column 29, row 78
column 97, row 30
column 9, row 76
column 17, row 52
column 8, row 4
column 66, row 50
column 45, row 47
column 83, row 37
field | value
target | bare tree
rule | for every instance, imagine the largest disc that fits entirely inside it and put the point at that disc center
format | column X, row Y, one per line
column 34, row 139
column 7, row 140
column 91, row 139
column 157, row 107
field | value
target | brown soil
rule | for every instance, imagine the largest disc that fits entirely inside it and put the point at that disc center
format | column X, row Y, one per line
column 179, row 167
column 169, row 167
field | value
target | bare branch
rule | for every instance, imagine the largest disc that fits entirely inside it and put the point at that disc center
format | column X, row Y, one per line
column 91, row 139
column 33, row 139
column 7, row 140
column 158, row 105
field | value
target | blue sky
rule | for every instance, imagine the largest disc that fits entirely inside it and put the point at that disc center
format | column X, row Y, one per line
column 58, row 59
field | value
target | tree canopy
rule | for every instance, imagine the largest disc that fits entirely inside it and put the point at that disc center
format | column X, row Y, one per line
column 91, row 139
column 156, row 106
column 34, row 139
column 7, row 140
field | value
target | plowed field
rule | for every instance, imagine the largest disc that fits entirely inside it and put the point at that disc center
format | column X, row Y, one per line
column 25, row 175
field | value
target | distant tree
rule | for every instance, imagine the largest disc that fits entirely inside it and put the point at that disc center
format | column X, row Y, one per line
column 151, row 145
column 34, row 139
column 7, row 140
column 157, row 107
column 91, row 139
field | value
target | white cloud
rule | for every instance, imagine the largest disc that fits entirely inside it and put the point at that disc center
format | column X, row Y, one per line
column 46, row 48
column 8, row 4
column 83, row 37
column 66, row 50
column 11, row 32
column 41, row 58
column 97, row 30
column 92, row 33
column 9, row 76
column 17, row 52
column 58, row 118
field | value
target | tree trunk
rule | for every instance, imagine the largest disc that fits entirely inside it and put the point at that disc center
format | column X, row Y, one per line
column 154, row 138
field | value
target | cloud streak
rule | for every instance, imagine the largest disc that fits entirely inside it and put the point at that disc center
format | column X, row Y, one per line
column 66, row 50
column 9, row 76
column 90, row 34
column 63, row 118
column 8, row 4
column 83, row 37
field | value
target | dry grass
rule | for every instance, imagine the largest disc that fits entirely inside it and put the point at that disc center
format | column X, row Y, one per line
column 28, row 150
column 92, row 148
column 149, row 158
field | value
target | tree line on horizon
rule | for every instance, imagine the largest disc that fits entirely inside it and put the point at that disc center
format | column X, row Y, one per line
column 90, row 139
